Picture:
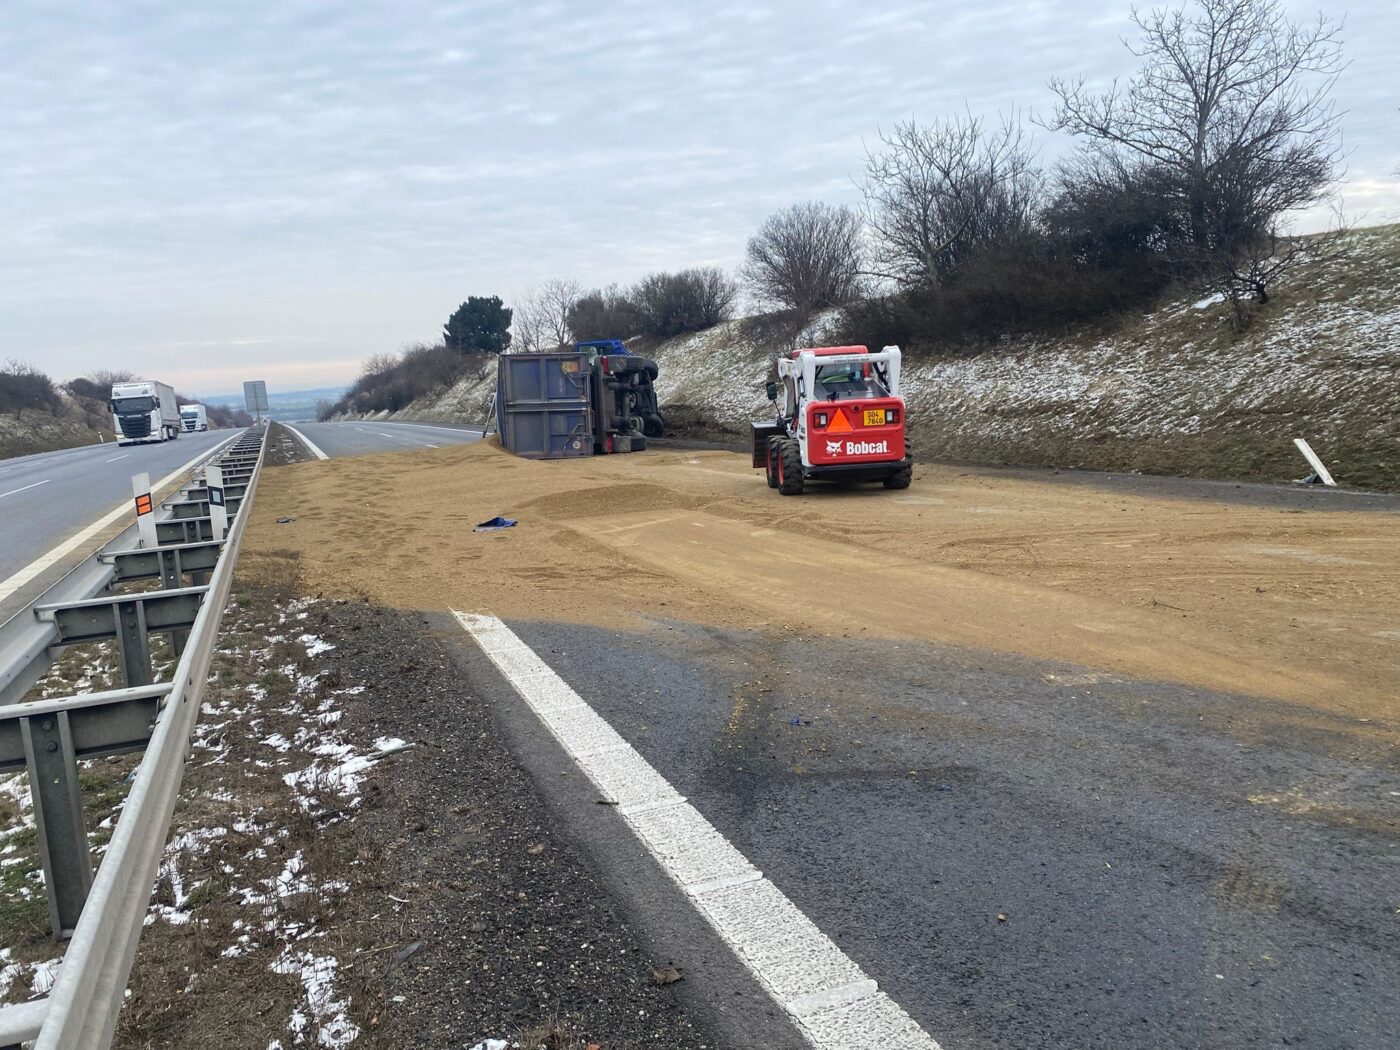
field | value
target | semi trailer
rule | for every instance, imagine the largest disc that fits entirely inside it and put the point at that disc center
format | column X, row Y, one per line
column 144, row 411
column 597, row 400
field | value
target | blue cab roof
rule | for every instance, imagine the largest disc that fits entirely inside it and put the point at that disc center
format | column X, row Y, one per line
column 603, row 346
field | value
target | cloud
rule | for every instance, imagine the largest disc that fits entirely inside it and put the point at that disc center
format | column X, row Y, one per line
column 173, row 177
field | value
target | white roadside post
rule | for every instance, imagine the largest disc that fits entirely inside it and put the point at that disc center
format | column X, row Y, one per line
column 218, row 512
column 145, row 510
column 1323, row 474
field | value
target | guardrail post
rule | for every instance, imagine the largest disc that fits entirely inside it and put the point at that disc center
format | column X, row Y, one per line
column 171, row 578
column 133, row 646
column 58, row 817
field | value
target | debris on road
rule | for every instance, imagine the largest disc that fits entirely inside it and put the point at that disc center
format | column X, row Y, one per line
column 495, row 523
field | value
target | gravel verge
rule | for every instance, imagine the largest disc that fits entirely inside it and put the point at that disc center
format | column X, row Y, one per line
column 518, row 938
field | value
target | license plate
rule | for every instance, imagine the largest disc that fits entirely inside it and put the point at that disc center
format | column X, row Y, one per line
column 874, row 417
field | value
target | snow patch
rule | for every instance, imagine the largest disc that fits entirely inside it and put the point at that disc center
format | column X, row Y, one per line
column 315, row 646
column 317, row 975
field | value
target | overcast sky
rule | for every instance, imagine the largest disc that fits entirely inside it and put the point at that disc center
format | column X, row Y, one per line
column 207, row 193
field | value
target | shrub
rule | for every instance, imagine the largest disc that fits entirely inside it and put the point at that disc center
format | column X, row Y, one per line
column 22, row 386
column 89, row 389
column 668, row 304
column 604, row 313
column 391, row 382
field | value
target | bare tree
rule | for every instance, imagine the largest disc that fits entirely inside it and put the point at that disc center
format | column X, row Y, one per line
column 109, row 378
column 542, row 316
column 527, row 324
column 1231, row 108
column 556, row 300
column 806, row 257
column 936, row 193
column 378, row 364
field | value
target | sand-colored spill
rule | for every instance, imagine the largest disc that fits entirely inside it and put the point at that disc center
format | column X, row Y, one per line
column 1174, row 590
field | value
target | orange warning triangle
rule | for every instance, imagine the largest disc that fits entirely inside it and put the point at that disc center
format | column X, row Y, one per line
column 839, row 423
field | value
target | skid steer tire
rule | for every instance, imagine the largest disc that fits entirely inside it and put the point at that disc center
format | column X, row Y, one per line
column 901, row 478
column 772, row 464
column 789, row 467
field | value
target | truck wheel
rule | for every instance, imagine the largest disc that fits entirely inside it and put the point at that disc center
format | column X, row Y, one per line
column 900, row 478
column 789, row 467
column 773, row 453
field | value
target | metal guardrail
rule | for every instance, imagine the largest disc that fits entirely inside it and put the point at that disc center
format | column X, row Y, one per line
column 105, row 913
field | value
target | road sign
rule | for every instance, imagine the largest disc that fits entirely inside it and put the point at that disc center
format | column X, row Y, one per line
column 255, row 396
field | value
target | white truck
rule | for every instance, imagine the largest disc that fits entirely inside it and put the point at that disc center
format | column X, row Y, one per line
column 194, row 417
column 144, row 411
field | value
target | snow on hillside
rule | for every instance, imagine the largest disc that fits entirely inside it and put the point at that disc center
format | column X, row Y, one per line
column 1174, row 391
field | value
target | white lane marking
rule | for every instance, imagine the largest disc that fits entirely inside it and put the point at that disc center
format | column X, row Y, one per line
column 429, row 444
column 17, row 462
column 53, row 557
column 429, row 426
column 832, row 1001
column 124, row 455
column 25, row 488
column 311, row 446
column 407, row 439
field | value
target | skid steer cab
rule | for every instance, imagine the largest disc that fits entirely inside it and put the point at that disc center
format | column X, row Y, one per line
column 840, row 418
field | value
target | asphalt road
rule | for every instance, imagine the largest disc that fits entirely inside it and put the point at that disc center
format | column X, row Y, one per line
column 353, row 438
column 46, row 498
column 1022, row 854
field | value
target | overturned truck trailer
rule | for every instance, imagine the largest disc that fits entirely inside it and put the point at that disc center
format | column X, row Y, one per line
column 595, row 400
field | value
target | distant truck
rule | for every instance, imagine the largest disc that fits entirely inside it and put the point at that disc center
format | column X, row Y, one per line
column 194, row 417
column 144, row 411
